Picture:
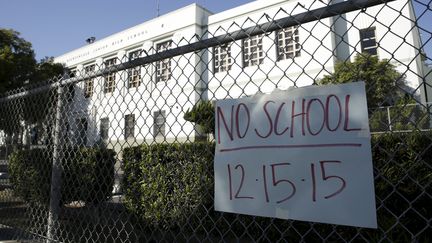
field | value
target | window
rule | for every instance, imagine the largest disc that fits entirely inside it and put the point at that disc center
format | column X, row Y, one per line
column 69, row 92
column 253, row 51
column 88, row 84
column 70, row 88
column 222, row 58
column 134, row 74
column 288, row 43
column 104, row 126
column 368, row 41
column 109, row 85
column 159, row 123
column 81, row 131
column 163, row 68
column 129, row 126
column 72, row 73
column 34, row 135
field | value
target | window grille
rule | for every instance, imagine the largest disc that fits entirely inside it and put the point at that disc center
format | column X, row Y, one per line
column 222, row 58
column 163, row 67
column 88, row 84
column 253, row 51
column 134, row 74
column 109, row 85
column 288, row 43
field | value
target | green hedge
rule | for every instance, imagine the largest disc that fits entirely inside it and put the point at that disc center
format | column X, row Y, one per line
column 403, row 168
column 87, row 174
column 164, row 183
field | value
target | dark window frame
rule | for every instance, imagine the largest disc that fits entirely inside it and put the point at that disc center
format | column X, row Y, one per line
column 249, row 49
column 159, row 127
column 287, row 41
column 104, row 128
column 134, row 74
column 163, row 67
column 222, row 58
column 368, row 42
column 110, row 78
column 89, row 83
column 129, row 126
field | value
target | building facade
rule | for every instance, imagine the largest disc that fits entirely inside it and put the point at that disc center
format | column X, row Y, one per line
column 132, row 99
column 147, row 103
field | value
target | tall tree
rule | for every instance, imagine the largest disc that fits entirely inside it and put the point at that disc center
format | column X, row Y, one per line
column 383, row 82
column 17, row 60
column 18, row 67
column 385, row 86
column 46, row 69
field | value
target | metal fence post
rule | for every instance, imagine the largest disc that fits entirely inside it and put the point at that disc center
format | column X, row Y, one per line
column 55, row 192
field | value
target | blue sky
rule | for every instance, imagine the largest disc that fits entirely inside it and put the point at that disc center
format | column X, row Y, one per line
column 57, row 26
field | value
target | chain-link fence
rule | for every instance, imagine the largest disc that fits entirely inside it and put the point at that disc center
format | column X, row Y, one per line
column 121, row 150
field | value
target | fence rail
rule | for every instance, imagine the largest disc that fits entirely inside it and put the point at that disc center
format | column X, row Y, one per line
column 120, row 149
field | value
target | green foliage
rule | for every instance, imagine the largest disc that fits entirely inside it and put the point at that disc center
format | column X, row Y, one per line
column 405, row 115
column 408, row 115
column 403, row 165
column 30, row 174
column 10, row 116
column 18, row 67
column 47, row 69
column 17, row 61
column 384, row 87
column 202, row 113
column 165, row 183
column 18, row 64
column 87, row 174
column 402, row 159
column 381, row 78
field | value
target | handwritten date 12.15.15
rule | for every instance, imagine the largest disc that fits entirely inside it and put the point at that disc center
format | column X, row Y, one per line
column 271, row 178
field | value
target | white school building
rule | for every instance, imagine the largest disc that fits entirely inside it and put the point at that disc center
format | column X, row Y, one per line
column 147, row 103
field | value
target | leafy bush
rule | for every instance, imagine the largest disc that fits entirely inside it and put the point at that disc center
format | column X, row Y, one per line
column 202, row 113
column 383, row 81
column 403, row 156
column 165, row 183
column 385, row 86
column 87, row 174
column 405, row 115
column 403, row 165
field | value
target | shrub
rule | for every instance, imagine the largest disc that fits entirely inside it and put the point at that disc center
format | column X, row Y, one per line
column 164, row 183
column 401, row 156
column 405, row 115
column 383, row 81
column 87, row 174
column 167, row 184
column 202, row 113
column 403, row 166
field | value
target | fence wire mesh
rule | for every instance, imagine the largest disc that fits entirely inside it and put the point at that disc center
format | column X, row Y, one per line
column 119, row 150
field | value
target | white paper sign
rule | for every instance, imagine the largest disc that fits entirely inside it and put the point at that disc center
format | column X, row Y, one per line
column 303, row 154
